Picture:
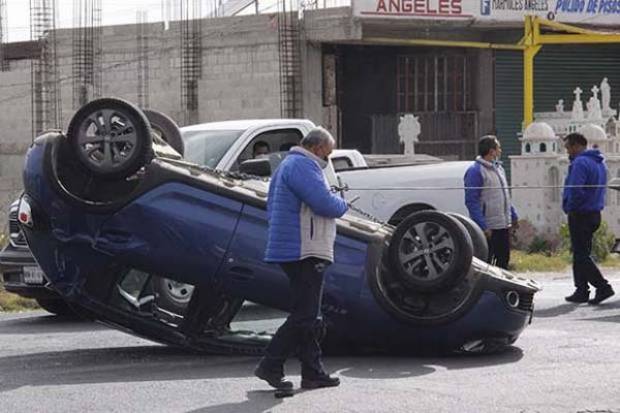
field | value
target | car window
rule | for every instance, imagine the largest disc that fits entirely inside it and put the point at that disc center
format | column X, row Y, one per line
column 341, row 163
column 271, row 142
column 207, row 147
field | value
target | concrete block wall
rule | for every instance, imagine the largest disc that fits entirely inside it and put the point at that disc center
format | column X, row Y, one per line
column 15, row 132
column 240, row 68
column 240, row 79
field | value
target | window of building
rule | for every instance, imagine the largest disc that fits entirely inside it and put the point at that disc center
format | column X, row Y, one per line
column 434, row 83
column 528, row 148
column 554, row 181
column 543, row 147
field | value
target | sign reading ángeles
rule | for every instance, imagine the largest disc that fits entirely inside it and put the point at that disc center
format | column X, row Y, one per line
column 595, row 12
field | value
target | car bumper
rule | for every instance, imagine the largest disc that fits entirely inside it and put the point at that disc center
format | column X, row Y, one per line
column 14, row 257
column 21, row 274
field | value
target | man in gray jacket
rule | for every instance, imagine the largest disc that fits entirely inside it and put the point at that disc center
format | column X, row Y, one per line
column 488, row 199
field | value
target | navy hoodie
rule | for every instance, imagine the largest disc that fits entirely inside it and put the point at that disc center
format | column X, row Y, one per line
column 587, row 168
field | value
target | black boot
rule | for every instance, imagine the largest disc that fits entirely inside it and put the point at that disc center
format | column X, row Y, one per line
column 273, row 377
column 579, row 296
column 601, row 295
column 318, row 381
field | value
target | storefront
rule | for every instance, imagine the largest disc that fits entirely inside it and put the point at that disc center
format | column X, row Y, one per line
column 458, row 67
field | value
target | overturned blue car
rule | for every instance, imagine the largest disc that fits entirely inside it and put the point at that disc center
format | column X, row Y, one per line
column 130, row 233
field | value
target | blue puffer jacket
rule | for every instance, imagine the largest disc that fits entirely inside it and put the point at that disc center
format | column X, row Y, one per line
column 301, row 210
column 587, row 168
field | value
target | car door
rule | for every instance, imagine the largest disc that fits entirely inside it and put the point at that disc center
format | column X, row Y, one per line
column 177, row 230
column 244, row 273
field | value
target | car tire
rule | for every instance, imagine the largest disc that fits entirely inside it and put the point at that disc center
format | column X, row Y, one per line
column 172, row 295
column 430, row 251
column 110, row 137
column 166, row 128
column 478, row 239
column 57, row 307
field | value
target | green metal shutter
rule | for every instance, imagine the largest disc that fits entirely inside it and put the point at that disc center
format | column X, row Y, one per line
column 558, row 70
column 508, row 102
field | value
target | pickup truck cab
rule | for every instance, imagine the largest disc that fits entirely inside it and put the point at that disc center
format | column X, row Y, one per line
column 225, row 146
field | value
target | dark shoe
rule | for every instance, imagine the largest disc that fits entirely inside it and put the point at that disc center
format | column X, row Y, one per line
column 601, row 295
column 578, row 296
column 320, row 381
column 275, row 380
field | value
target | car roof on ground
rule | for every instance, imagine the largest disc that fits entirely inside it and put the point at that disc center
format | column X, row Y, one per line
column 243, row 124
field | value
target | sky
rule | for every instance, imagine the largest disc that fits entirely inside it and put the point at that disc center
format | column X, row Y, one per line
column 114, row 12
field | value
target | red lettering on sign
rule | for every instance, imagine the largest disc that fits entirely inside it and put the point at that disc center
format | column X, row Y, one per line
column 421, row 7
column 457, row 8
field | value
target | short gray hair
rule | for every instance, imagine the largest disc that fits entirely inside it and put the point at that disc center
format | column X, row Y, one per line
column 317, row 136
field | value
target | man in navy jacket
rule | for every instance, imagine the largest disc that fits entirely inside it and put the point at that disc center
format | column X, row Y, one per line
column 583, row 205
column 302, row 229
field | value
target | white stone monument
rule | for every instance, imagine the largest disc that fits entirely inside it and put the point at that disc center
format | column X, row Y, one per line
column 577, row 105
column 606, row 95
column 594, row 105
column 408, row 131
column 543, row 161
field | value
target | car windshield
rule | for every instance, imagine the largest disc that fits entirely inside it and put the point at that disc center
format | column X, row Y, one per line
column 207, row 147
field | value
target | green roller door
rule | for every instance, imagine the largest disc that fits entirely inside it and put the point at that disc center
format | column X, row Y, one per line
column 558, row 70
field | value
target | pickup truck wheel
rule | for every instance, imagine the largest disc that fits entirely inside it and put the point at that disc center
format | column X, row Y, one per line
column 172, row 295
column 110, row 137
column 478, row 239
column 430, row 251
column 58, row 307
column 165, row 128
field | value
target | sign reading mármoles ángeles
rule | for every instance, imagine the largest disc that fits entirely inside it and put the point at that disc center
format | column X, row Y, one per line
column 592, row 12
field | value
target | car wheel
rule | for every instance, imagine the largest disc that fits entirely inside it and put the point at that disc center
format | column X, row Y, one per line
column 478, row 239
column 110, row 137
column 430, row 251
column 58, row 307
column 171, row 295
column 167, row 129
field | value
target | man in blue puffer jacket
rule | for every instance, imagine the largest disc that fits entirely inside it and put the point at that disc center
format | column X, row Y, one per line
column 302, row 229
column 583, row 206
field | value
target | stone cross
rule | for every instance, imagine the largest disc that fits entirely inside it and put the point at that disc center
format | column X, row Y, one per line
column 577, row 105
column 578, row 93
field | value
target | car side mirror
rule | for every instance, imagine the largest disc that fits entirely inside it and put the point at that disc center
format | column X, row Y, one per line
column 614, row 183
column 260, row 167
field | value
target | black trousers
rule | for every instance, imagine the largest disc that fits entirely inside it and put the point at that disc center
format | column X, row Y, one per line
column 499, row 247
column 301, row 330
column 582, row 227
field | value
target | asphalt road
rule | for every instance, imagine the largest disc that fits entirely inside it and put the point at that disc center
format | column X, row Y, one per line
column 568, row 360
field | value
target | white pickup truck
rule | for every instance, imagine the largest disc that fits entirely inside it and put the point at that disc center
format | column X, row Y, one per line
column 226, row 145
